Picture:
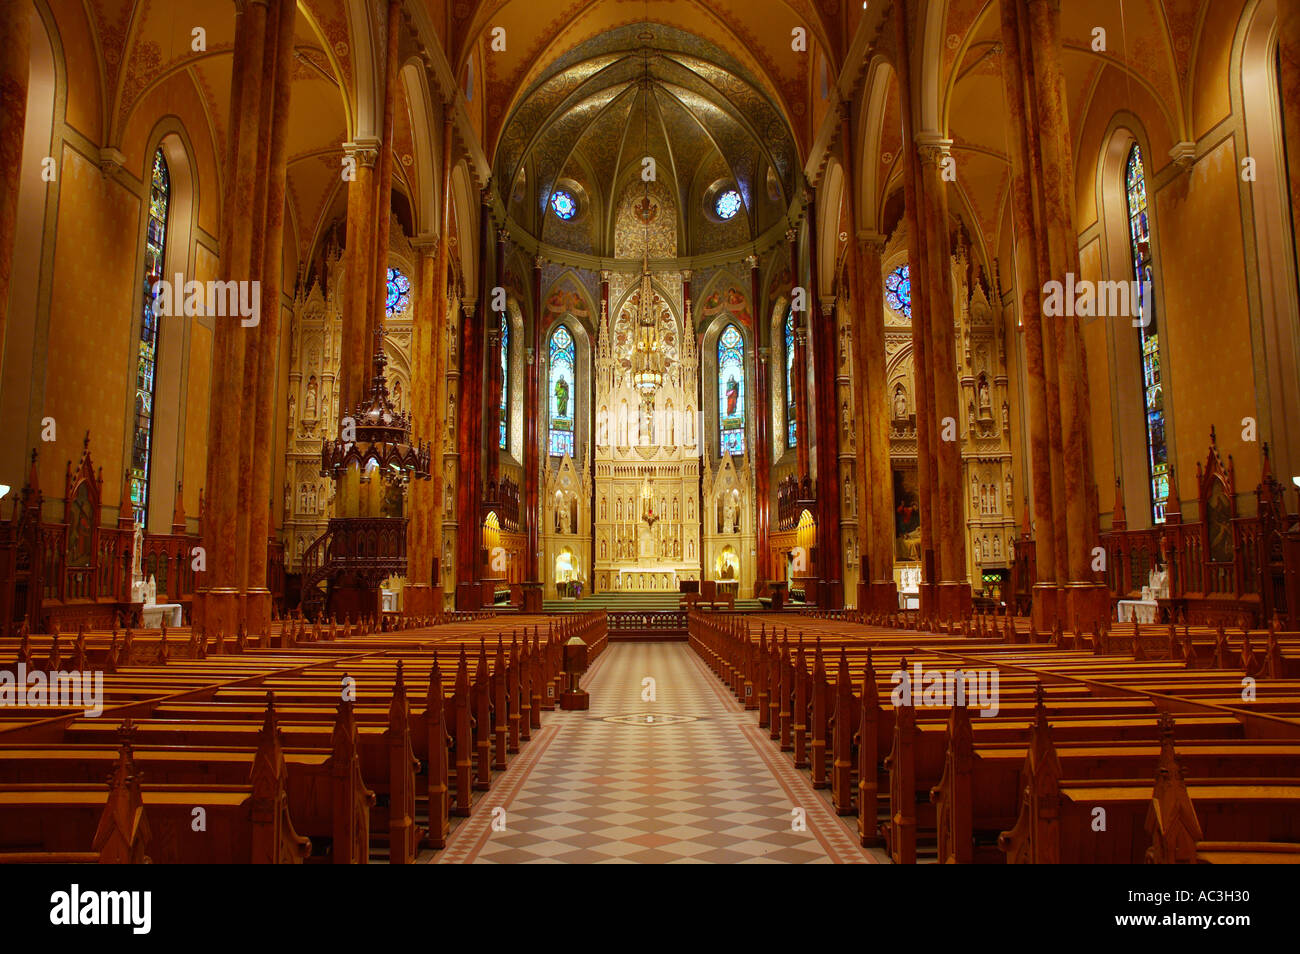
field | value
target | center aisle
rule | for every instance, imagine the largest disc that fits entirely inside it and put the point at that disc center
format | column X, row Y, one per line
column 686, row 777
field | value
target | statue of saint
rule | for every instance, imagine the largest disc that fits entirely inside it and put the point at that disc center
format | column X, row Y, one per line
column 562, row 398
column 900, row 403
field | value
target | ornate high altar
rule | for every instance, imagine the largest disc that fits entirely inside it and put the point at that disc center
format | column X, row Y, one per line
column 647, row 441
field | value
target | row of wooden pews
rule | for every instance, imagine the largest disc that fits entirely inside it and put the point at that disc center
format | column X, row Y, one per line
column 1020, row 773
column 314, row 744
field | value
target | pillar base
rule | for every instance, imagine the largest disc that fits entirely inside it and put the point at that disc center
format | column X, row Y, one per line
column 533, row 597
column 417, row 599
column 927, row 599
column 350, row 598
column 468, row 597
column 954, row 601
column 217, row 611
column 575, row 700
column 879, row 596
column 1042, row 613
column 257, row 611
column 1087, row 605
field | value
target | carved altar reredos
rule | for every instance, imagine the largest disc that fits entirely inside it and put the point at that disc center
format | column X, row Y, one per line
column 566, row 526
column 646, row 446
column 730, row 543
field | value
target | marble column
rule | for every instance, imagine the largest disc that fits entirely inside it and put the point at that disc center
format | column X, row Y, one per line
column 1086, row 600
column 218, row 601
column 266, row 336
column 15, row 66
column 495, row 383
column 822, row 327
column 954, row 596
column 922, row 308
column 441, row 343
column 762, row 452
column 472, row 434
column 1288, row 48
column 535, row 453
column 469, row 457
column 421, row 545
column 799, row 374
column 1029, row 306
column 383, row 184
column 358, row 347
column 875, row 476
column 829, row 542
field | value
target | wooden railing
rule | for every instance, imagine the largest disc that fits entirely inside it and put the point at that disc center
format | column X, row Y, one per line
column 648, row 622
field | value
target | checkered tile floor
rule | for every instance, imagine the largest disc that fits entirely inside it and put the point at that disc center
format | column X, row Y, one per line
column 686, row 777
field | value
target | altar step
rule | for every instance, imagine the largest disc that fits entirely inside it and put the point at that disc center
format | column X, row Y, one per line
column 617, row 602
column 667, row 602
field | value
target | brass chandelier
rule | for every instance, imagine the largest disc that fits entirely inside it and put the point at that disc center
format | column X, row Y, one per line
column 382, row 440
column 647, row 359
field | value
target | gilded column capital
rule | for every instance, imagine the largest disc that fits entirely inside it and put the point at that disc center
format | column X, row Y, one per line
column 365, row 150
column 503, row 235
column 426, row 243
column 933, row 149
column 538, row 262
column 791, row 236
column 871, row 241
column 751, row 260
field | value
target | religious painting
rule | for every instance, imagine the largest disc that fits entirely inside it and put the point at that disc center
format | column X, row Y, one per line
column 730, row 301
column 1218, row 524
column 81, row 528
column 907, row 516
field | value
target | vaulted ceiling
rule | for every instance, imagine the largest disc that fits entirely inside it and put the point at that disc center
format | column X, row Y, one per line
column 646, row 90
column 537, row 34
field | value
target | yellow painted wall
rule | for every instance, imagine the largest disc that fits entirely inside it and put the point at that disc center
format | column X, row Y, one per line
column 1206, row 321
column 1097, row 354
column 92, row 304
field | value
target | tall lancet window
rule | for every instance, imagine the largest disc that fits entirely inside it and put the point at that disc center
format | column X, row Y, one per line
column 731, row 391
column 1139, row 229
column 791, row 436
column 155, row 250
column 505, row 378
column 562, row 397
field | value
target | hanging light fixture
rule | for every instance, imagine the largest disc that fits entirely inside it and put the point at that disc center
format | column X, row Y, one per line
column 647, row 358
column 382, row 442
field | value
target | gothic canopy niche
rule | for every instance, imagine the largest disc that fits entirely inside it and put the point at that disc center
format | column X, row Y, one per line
column 569, row 163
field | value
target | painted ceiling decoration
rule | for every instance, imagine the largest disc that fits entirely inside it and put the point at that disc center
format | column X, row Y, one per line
column 646, row 90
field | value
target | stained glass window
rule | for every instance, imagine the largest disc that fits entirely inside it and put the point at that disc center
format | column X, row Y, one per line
column 505, row 377
column 731, row 390
column 898, row 291
column 399, row 293
column 728, row 204
column 562, row 397
column 791, row 437
column 563, row 204
column 155, row 249
column 1139, row 229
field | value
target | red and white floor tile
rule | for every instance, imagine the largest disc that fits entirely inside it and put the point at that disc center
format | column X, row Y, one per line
column 684, row 777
